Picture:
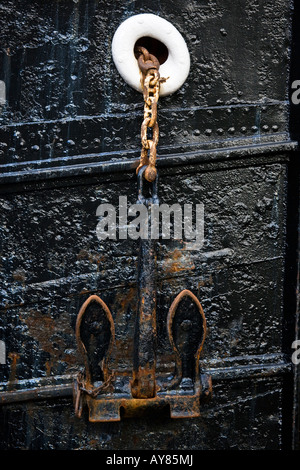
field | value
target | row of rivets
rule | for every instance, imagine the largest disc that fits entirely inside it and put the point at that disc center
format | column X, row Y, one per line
column 96, row 142
column 233, row 130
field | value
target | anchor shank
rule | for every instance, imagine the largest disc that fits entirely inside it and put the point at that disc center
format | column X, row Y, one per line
column 144, row 362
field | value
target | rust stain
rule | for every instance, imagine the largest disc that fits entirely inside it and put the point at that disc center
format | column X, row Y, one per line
column 13, row 370
column 143, row 384
column 124, row 300
column 177, row 262
column 19, row 275
column 47, row 331
column 91, row 257
column 205, row 282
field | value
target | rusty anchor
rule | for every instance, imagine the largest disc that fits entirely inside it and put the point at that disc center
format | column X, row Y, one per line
column 108, row 394
column 104, row 392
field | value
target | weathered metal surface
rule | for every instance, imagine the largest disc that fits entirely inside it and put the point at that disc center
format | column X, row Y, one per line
column 40, row 319
column 64, row 108
column 243, row 418
column 70, row 140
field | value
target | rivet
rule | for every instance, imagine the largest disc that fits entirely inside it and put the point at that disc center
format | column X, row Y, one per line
column 231, row 130
column 243, row 129
column 275, row 128
column 35, row 148
column 84, row 144
column 220, row 131
column 208, row 132
column 223, row 32
column 70, row 143
column 196, row 132
column 96, row 142
column 265, row 128
column 254, row 128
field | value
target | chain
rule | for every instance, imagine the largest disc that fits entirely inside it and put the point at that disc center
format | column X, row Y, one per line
column 149, row 66
column 81, row 387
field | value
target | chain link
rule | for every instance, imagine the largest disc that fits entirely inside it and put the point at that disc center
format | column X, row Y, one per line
column 81, row 387
column 149, row 66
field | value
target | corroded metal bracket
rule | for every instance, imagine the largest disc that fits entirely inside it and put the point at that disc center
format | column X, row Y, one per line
column 107, row 394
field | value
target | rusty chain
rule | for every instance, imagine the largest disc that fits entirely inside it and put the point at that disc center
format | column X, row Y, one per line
column 151, row 81
column 82, row 387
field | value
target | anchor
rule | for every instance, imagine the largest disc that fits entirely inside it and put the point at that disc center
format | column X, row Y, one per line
column 105, row 392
